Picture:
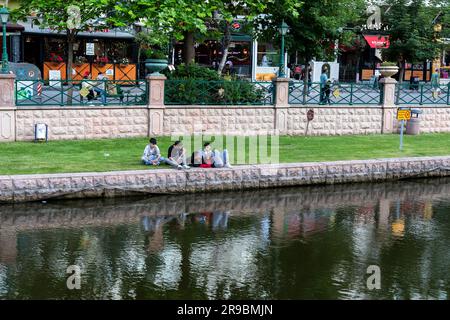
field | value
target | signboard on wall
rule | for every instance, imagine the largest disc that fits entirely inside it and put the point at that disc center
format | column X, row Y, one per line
column 24, row 90
column 90, row 49
column 54, row 75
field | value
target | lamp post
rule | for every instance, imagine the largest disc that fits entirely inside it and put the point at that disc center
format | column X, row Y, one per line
column 4, row 16
column 283, row 29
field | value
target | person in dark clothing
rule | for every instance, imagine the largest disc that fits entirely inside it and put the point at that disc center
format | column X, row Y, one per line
column 177, row 155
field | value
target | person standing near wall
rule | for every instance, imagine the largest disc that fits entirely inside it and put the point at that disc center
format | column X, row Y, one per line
column 323, row 84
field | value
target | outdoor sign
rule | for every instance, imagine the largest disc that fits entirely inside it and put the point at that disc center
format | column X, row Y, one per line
column 109, row 72
column 24, row 90
column 236, row 26
column 90, row 49
column 309, row 117
column 377, row 41
column 403, row 114
column 54, row 75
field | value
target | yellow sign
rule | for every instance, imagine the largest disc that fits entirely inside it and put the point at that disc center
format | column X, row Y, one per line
column 403, row 114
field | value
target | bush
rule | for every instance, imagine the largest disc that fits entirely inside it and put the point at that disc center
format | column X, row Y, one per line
column 194, row 84
column 192, row 71
column 388, row 64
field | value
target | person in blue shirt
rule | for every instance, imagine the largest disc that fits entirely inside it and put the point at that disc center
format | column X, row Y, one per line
column 323, row 84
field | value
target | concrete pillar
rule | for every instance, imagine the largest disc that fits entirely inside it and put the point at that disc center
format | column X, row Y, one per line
column 281, row 104
column 156, row 105
column 389, row 108
column 7, row 108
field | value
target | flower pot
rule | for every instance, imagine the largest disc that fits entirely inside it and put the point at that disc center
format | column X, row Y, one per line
column 155, row 65
column 388, row 71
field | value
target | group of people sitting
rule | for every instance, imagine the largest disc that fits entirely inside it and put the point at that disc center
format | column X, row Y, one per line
column 176, row 156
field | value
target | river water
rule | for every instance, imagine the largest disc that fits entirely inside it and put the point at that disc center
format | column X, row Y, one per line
column 322, row 242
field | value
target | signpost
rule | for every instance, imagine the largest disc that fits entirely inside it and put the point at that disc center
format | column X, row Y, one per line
column 309, row 117
column 403, row 115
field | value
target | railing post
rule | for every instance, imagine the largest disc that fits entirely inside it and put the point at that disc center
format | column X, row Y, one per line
column 388, row 107
column 156, row 104
column 351, row 93
column 7, row 108
column 281, row 104
column 448, row 93
column 421, row 94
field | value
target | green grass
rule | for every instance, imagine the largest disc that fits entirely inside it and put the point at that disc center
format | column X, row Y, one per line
column 124, row 154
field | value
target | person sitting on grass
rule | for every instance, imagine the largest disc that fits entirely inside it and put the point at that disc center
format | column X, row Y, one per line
column 177, row 155
column 152, row 156
column 213, row 159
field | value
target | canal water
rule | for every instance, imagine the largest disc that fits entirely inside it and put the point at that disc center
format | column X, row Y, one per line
column 322, row 242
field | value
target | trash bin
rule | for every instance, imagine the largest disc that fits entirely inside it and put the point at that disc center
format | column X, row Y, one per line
column 413, row 124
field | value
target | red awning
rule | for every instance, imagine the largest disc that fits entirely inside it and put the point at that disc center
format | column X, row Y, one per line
column 377, row 41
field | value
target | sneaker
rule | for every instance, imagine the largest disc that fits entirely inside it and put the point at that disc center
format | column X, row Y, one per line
column 179, row 167
column 227, row 165
column 186, row 167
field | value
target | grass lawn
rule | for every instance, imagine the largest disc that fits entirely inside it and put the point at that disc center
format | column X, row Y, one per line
column 124, row 154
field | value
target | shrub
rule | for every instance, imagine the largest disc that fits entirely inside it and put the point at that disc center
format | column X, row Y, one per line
column 388, row 64
column 192, row 71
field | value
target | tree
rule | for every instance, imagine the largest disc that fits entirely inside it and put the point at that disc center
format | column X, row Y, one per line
column 183, row 19
column 314, row 26
column 65, row 16
column 412, row 37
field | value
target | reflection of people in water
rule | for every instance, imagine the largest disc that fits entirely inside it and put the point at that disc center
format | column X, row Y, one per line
column 217, row 219
column 220, row 220
column 154, row 226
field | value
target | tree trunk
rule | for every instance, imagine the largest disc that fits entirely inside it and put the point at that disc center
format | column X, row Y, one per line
column 402, row 71
column 305, row 81
column 189, row 50
column 226, row 48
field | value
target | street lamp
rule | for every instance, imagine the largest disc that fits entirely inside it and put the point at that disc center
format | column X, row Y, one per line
column 4, row 16
column 282, row 29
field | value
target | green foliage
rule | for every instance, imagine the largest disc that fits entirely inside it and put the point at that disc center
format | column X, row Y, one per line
column 194, row 84
column 411, row 31
column 219, row 92
column 389, row 64
column 314, row 25
column 192, row 71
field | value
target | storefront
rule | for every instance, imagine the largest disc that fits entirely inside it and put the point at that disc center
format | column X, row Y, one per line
column 111, row 52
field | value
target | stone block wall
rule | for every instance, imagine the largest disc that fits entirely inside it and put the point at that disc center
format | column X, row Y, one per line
column 434, row 118
column 20, row 188
column 254, row 120
column 83, row 122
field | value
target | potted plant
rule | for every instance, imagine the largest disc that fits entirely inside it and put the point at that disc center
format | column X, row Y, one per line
column 156, row 61
column 388, row 69
column 79, row 60
column 124, row 62
column 102, row 61
column 54, row 58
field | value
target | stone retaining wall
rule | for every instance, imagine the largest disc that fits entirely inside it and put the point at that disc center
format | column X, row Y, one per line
column 83, row 122
column 139, row 121
column 22, row 188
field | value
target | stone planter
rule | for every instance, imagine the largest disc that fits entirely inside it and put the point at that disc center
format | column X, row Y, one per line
column 388, row 71
column 155, row 65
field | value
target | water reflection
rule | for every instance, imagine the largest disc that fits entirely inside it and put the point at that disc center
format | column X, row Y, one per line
column 314, row 242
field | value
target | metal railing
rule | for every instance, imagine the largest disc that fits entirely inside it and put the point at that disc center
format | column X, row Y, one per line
column 220, row 92
column 80, row 93
column 422, row 93
column 335, row 93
